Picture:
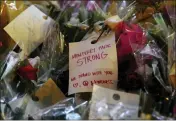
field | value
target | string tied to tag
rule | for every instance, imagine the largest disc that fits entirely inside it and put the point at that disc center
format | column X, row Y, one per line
column 103, row 30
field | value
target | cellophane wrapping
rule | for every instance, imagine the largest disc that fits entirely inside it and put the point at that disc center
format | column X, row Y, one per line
column 34, row 64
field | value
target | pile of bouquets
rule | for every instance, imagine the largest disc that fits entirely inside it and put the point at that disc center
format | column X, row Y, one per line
column 34, row 83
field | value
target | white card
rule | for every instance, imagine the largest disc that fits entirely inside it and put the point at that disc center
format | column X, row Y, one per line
column 91, row 64
column 29, row 29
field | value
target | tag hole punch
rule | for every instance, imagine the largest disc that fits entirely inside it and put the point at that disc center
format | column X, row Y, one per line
column 45, row 17
column 94, row 41
column 116, row 97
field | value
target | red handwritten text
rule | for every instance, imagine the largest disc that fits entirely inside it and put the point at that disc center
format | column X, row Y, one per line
column 96, row 73
column 74, row 78
column 91, row 58
column 85, row 83
column 108, row 72
column 101, row 82
column 84, row 75
column 83, row 53
column 75, row 85
column 104, row 46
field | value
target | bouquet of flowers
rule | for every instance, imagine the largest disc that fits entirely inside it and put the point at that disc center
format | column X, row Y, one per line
column 36, row 65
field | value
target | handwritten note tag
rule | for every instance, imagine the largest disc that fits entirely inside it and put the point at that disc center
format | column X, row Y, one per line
column 29, row 29
column 91, row 64
column 112, row 104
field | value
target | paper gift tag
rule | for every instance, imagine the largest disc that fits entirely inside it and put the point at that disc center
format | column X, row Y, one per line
column 29, row 29
column 49, row 93
column 107, row 98
column 92, row 63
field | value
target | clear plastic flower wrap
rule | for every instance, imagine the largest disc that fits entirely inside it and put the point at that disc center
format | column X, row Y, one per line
column 118, row 11
column 119, row 111
column 164, row 36
column 152, row 66
column 30, row 99
column 10, row 111
column 114, row 106
column 51, row 51
column 161, row 36
column 124, row 9
column 18, row 79
column 34, row 57
column 68, row 109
